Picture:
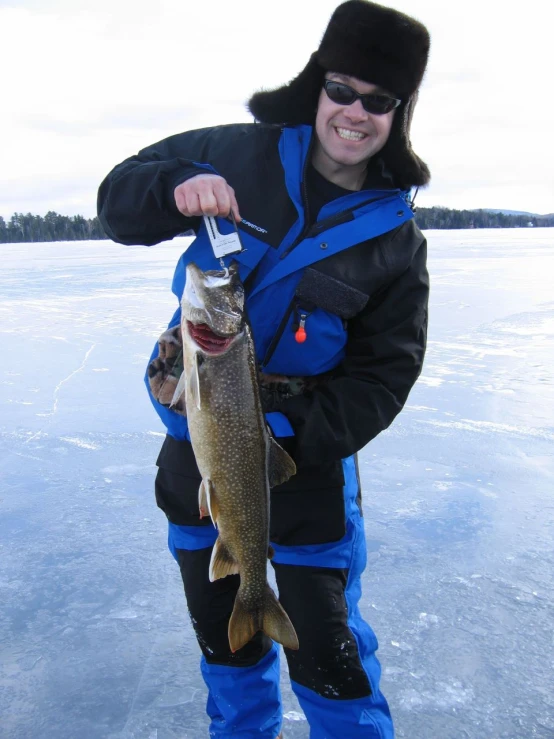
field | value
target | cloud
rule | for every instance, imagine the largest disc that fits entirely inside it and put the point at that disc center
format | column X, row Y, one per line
column 129, row 116
column 68, row 197
column 91, row 83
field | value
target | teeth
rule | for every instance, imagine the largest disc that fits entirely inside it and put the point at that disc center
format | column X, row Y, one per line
column 344, row 133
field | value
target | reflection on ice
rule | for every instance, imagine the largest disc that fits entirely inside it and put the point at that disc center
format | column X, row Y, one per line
column 96, row 640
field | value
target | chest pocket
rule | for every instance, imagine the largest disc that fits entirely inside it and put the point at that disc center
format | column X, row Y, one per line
column 311, row 338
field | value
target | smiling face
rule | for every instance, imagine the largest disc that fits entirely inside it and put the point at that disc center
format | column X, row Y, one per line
column 347, row 136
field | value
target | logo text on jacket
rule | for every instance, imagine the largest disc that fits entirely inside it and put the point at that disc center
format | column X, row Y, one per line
column 253, row 225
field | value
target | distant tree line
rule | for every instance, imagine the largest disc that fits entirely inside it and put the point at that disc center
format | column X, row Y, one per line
column 55, row 227
column 427, row 218
column 51, row 227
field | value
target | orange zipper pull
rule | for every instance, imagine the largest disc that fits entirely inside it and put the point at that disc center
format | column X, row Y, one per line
column 300, row 334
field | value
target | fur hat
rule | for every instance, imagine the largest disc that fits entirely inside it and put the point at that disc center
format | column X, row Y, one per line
column 375, row 44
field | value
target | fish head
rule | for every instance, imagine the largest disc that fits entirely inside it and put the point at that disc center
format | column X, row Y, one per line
column 213, row 307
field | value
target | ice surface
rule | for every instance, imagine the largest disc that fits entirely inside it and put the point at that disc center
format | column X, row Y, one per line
column 94, row 634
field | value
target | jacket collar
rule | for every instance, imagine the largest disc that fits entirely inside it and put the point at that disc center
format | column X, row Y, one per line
column 342, row 223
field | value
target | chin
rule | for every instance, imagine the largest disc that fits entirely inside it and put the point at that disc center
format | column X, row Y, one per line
column 352, row 160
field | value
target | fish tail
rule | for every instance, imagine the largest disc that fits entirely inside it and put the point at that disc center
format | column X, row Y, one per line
column 276, row 623
column 271, row 618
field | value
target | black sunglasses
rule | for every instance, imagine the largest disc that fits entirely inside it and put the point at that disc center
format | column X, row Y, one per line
column 342, row 94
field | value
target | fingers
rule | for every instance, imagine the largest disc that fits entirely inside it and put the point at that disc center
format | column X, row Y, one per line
column 235, row 206
column 218, row 200
column 206, row 195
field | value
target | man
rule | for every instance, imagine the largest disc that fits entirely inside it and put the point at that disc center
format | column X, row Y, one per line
column 337, row 287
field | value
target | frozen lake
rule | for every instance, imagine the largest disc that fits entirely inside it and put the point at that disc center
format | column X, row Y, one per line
column 94, row 635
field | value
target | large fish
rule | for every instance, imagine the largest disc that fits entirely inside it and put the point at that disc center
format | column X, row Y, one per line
column 238, row 460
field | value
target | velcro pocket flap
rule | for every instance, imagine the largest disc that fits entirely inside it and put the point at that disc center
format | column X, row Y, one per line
column 330, row 294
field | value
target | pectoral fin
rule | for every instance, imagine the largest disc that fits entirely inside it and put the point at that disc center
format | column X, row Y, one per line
column 280, row 465
column 179, row 397
column 203, row 501
column 207, row 501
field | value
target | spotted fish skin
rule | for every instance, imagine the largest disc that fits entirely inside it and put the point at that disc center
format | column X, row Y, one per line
column 237, row 458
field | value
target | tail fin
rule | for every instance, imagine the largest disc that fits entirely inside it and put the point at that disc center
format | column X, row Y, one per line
column 245, row 621
column 276, row 623
column 271, row 618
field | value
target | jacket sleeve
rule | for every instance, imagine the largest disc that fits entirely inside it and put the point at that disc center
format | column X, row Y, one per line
column 136, row 204
column 384, row 357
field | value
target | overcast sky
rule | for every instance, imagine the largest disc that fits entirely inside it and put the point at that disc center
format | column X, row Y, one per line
column 87, row 83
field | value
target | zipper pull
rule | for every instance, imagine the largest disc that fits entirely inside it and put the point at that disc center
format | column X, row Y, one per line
column 300, row 334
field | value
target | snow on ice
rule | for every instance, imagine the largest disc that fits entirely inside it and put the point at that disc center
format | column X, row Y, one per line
column 95, row 636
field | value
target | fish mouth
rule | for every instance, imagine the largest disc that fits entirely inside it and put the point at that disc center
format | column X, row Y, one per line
column 207, row 340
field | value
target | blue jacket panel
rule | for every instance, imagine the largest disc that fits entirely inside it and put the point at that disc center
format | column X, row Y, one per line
column 356, row 277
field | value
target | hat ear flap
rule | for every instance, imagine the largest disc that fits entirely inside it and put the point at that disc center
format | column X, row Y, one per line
column 295, row 103
column 406, row 168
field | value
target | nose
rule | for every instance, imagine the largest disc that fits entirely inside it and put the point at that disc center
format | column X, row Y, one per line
column 356, row 112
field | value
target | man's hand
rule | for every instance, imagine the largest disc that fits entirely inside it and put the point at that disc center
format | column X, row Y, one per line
column 206, row 195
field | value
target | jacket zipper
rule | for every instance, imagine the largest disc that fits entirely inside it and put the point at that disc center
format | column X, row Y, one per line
column 301, row 315
column 303, row 312
column 277, row 338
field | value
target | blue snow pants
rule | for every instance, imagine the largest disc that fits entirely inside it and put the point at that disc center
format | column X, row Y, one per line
column 334, row 674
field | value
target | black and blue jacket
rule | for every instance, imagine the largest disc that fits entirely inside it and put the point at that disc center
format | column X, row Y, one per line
column 357, row 276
